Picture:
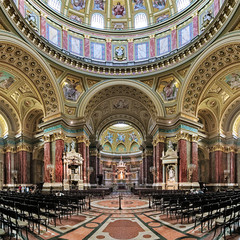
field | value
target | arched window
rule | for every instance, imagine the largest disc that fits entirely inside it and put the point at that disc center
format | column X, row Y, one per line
column 140, row 20
column 181, row 4
column 97, row 21
column 55, row 4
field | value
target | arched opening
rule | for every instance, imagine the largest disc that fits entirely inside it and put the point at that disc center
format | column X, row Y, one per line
column 121, row 156
column 97, row 21
column 140, row 20
column 55, row 4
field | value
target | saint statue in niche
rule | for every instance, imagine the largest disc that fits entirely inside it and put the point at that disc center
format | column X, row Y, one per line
column 118, row 10
column 207, row 18
column 31, row 18
column 78, row 4
column 171, row 173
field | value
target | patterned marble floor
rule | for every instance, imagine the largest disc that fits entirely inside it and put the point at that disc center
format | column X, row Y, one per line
column 136, row 221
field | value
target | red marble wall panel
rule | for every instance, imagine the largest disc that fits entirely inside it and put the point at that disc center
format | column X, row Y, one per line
column 195, row 161
column 159, row 150
column 43, row 26
column 87, row 159
column 109, row 51
column 47, row 160
column 82, row 150
column 154, row 162
column 21, row 7
column 23, row 157
column 183, row 160
column 65, row 39
column 174, row 38
column 216, row 7
column 7, row 165
column 59, row 148
column 93, row 161
column 149, row 160
column 232, row 167
column 130, row 51
column 87, row 47
column 152, row 47
column 195, row 26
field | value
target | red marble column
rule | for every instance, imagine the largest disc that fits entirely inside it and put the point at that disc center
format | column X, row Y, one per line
column 7, row 165
column 159, row 150
column 218, row 166
column 64, row 39
column 47, row 160
column 152, row 46
column 195, row 26
column 182, row 144
column 87, row 159
column 174, row 38
column 59, row 148
column 86, row 47
column 93, row 164
column 154, row 164
column 211, row 167
column 43, row 26
column 109, row 50
column 82, row 150
column 130, row 50
column 232, row 167
column 22, row 159
column 21, row 7
column 216, row 7
column 195, row 177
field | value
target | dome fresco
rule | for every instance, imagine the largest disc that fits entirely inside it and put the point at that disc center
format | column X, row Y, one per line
column 135, row 32
column 118, row 14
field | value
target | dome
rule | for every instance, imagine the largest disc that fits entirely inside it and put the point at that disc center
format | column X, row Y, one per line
column 117, row 14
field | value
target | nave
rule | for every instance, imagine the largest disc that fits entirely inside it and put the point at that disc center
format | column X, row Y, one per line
column 156, row 215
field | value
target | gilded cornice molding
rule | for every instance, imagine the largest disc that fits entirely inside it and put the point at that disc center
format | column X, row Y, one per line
column 24, row 147
column 223, row 148
column 10, row 149
column 195, row 138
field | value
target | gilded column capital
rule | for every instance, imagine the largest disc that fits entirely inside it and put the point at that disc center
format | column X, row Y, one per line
column 195, row 138
column 24, row 147
column 158, row 138
column 217, row 147
column 82, row 138
column 10, row 149
column 87, row 143
column 46, row 138
column 183, row 136
column 231, row 149
column 58, row 136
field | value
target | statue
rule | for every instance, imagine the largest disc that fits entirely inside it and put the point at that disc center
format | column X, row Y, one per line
column 73, row 146
column 171, row 174
column 31, row 18
column 119, row 53
column 207, row 18
column 170, row 145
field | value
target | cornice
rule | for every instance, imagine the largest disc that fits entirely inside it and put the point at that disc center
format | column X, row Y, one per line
column 90, row 67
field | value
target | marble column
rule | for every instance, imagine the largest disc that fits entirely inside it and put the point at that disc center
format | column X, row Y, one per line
column 93, row 163
column 82, row 149
column 154, row 163
column 232, row 166
column 59, row 149
column 88, row 163
column 7, row 166
column 47, row 158
column 195, row 177
column 182, row 148
column 149, row 163
column 160, row 149
column 22, row 167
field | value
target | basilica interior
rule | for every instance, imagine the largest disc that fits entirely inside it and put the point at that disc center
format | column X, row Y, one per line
column 123, row 97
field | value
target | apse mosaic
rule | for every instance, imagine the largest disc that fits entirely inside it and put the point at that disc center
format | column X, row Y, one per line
column 6, row 79
column 233, row 80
